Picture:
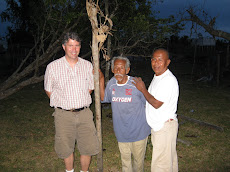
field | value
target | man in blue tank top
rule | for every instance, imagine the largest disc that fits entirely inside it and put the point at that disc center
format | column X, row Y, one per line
column 129, row 118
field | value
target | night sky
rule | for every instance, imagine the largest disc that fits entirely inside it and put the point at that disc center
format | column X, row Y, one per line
column 215, row 8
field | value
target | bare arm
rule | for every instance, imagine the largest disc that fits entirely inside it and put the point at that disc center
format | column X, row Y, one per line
column 102, row 85
column 48, row 93
column 141, row 87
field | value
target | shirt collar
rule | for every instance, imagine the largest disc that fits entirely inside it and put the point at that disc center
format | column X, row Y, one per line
column 162, row 75
column 124, row 83
column 67, row 63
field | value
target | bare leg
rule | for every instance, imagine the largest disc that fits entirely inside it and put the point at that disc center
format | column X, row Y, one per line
column 85, row 161
column 69, row 162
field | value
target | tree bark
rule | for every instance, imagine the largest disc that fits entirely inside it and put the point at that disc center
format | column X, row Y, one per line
column 97, row 99
column 109, row 50
column 92, row 13
column 32, row 80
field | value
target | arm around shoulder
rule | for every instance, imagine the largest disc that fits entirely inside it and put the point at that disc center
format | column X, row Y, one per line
column 151, row 100
column 140, row 85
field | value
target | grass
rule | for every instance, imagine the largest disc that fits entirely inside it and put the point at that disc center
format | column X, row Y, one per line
column 27, row 132
column 210, row 148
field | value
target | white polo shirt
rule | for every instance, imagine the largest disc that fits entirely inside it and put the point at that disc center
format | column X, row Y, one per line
column 164, row 88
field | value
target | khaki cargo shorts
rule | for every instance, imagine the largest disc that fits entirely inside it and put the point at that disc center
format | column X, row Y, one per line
column 72, row 128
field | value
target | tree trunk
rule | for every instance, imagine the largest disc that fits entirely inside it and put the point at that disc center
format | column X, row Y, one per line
column 97, row 99
column 107, row 67
column 109, row 51
column 18, row 79
column 92, row 13
column 100, row 32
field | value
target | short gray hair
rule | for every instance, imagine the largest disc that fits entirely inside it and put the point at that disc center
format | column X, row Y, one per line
column 127, row 62
column 162, row 49
column 71, row 35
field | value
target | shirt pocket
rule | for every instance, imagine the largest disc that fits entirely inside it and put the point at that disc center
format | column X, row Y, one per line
column 84, row 84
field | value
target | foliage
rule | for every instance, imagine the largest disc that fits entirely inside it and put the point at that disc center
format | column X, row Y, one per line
column 41, row 23
column 136, row 30
column 45, row 22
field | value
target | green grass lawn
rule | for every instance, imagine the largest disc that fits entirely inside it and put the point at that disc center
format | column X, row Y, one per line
column 27, row 132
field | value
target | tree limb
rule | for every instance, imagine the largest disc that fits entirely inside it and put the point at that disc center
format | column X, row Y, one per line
column 208, row 27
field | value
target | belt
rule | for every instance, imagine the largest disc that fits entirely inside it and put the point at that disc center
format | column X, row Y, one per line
column 73, row 110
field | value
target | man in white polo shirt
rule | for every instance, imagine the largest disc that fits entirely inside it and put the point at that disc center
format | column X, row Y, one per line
column 161, row 106
column 68, row 83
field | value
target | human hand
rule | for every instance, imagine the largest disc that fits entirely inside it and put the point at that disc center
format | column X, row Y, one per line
column 139, row 84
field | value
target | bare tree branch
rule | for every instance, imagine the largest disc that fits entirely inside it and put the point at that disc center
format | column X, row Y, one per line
column 208, row 25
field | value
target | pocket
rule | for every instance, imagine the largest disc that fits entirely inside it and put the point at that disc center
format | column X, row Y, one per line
column 84, row 84
column 87, row 115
